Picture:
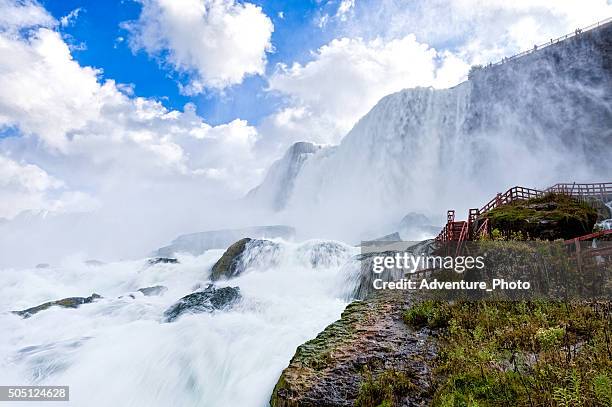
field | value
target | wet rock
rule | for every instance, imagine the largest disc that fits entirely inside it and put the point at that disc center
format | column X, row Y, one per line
column 372, row 249
column 72, row 302
column 229, row 264
column 94, row 263
column 209, row 300
column 369, row 340
column 154, row 290
column 162, row 260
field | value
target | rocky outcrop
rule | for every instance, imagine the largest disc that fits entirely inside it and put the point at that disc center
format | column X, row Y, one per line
column 72, row 302
column 414, row 225
column 549, row 217
column 153, row 290
column 343, row 363
column 229, row 263
column 277, row 186
column 372, row 249
column 243, row 254
column 209, row 300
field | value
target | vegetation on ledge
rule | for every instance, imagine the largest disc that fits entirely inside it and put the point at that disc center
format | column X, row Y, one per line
column 550, row 217
column 520, row 353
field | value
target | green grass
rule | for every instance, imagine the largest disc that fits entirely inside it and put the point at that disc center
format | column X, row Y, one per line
column 385, row 390
column 520, row 353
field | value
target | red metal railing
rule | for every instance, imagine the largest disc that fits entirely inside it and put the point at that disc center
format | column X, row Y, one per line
column 513, row 194
column 601, row 190
column 453, row 230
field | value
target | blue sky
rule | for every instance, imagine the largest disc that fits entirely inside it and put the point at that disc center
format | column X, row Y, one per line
column 98, row 27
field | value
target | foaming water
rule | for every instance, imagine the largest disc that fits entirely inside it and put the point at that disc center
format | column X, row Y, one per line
column 117, row 351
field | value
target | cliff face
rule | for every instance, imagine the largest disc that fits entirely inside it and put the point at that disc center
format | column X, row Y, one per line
column 278, row 184
column 535, row 120
column 561, row 94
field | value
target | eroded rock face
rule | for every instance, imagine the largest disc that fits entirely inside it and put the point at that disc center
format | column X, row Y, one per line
column 368, row 341
column 71, row 302
column 209, row 300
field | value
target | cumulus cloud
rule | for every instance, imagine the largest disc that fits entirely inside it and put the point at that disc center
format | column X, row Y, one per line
column 217, row 42
column 23, row 14
column 87, row 144
column 24, row 186
column 347, row 76
column 484, row 29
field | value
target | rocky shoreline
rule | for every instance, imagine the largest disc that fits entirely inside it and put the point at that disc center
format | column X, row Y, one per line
column 345, row 364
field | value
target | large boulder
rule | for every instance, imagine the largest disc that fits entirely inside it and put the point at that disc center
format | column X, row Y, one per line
column 209, row 300
column 71, row 302
column 229, row 264
column 243, row 254
column 369, row 347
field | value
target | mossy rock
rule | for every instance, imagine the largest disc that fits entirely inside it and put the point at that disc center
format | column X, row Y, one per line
column 72, row 302
column 550, row 217
column 350, row 362
column 228, row 265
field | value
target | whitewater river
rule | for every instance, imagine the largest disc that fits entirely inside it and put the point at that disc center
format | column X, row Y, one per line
column 118, row 352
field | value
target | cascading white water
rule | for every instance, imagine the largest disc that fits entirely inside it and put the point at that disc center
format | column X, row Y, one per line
column 606, row 223
column 118, row 352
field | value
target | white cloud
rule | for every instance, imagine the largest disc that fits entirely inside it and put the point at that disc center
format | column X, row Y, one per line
column 24, row 14
column 25, row 177
column 344, row 9
column 218, row 42
column 100, row 141
column 483, row 29
column 23, row 186
column 346, row 77
column 70, row 18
